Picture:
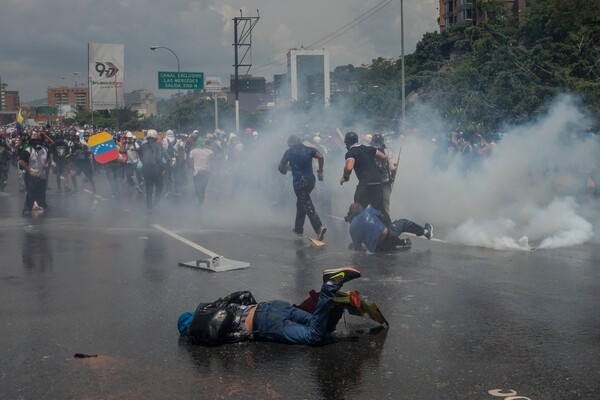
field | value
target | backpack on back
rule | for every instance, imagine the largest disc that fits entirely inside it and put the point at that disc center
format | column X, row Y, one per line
column 153, row 155
column 212, row 322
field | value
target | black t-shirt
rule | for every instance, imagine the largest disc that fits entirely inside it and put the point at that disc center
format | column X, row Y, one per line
column 79, row 152
column 60, row 151
column 365, row 165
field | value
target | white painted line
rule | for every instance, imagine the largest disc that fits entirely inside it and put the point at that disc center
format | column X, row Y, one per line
column 95, row 195
column 335, row 217
column 423, row 237
column 184, row 240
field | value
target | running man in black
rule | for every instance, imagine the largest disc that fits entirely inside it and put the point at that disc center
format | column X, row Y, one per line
column 361, row 160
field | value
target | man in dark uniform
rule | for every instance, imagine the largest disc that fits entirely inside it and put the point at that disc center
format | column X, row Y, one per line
column 299, row 157
column 361, row 159
column 154, row 161
column 80, row 157
column 61, row 151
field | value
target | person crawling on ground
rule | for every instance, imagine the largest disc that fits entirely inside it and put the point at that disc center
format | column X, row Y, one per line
column 367, row 227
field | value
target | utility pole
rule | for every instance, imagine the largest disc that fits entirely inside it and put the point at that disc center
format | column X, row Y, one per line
column 402, row 56
column 242, row 36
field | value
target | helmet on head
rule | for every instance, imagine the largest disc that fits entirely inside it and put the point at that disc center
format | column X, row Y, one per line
column 129, row 135
column 377, row 140
column 368, row 138
column 316, row 140
column 351, row 138
column 152, row 134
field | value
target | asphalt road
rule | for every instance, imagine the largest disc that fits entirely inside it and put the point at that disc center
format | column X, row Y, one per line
column 96, row 276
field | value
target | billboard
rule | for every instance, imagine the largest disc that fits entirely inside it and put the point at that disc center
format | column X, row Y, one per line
column 106, row 70
column 248, row 84
column 212, row 84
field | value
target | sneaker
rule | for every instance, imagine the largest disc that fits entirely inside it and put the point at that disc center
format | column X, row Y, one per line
column 339, row 276
column 26, row 212
column 322, row 232
column 404, row 243
column 428, row 231
column 297, row 232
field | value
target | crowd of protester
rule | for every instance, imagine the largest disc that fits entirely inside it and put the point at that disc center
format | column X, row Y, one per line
column 189, row 161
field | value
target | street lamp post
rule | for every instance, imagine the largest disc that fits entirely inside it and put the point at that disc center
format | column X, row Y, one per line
column 166, row 48
column 178, row 70
column 72, row 80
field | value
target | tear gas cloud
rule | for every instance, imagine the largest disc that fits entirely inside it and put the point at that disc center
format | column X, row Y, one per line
column 509, row 201
column 522, row 194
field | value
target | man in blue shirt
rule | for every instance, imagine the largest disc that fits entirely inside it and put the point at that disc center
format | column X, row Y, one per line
column 366, row 226
column 299, row 158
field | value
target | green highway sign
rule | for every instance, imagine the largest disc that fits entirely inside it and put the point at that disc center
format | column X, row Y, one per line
column 181, row 80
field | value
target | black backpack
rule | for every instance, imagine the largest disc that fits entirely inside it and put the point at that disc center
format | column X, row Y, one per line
column 153, row 156
column 213, row 322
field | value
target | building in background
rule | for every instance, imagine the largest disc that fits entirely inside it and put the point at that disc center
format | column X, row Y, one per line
column 461, row 13
column 2, row 95
column 64, row 95
column 11, row 100
column 308, row 76
column 142, row 101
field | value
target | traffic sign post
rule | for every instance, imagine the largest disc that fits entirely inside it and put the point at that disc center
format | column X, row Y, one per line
column 181, row 80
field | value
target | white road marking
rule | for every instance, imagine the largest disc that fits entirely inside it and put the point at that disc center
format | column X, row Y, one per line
column 335, row 217
column 95, row 195
column 184, row 240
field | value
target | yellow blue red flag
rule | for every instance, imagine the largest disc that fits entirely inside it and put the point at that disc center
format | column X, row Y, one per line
column 103, row 147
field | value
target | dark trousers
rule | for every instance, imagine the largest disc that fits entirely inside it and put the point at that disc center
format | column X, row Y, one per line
column 112, row 174
column 372, row 195
column 404, row 225
column 36, row 191
column 131, row 172
column 395, row 229
column 179, row 177
column 153, row 178
column 200, row 183
column 304, row 207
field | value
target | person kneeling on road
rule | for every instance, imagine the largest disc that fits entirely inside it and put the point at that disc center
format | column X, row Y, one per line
column 239, row 317
column 366, row 226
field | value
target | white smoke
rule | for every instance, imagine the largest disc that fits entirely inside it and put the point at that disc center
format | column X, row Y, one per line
column 523, row 193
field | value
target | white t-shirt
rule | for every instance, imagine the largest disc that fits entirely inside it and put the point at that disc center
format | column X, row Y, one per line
column 201, row 159
column 133, row 155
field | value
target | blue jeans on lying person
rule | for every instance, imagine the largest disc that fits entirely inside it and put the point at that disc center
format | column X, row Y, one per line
column 279, row 321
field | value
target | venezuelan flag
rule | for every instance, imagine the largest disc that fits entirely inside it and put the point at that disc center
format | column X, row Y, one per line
column 20, row 118
column 103, row 147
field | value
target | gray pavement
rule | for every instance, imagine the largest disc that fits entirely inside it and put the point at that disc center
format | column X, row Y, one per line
column 94, row 276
